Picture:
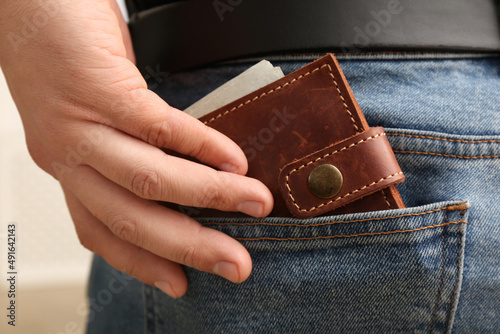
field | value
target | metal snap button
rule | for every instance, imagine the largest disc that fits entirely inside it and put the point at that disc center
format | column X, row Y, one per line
column 325, row 181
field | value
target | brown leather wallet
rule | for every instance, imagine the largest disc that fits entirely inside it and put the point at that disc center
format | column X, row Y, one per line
column 306, row 139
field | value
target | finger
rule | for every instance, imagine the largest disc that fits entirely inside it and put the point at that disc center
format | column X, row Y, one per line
column 151, row 174
column 124, row 256
column 144, row 115
column 164, row 232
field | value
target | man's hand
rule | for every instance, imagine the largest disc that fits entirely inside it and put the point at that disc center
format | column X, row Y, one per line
column 91, row 122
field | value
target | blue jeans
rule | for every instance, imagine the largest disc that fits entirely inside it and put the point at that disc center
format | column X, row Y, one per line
column 432, row 267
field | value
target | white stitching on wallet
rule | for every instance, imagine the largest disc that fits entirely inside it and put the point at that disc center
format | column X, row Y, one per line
column 325, row 156
column 286, row 84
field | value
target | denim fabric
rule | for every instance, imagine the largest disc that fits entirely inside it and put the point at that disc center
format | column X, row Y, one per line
column 115, row 301
column 433, row 267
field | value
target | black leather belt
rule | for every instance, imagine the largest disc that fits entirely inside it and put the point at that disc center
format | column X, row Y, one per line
column 190, row 33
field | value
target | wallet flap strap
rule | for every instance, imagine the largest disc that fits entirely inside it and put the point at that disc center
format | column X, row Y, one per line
column 339, row 174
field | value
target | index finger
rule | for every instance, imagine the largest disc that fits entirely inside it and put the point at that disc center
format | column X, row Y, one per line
column 144, row 115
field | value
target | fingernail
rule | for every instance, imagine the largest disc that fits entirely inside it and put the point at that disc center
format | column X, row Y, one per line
column 227, row 167
column 166, row 287
column 227, row 270
column 251, row 208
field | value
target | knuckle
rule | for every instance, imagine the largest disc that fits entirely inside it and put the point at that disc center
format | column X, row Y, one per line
column 132, row 269
column 124, row 228
column 86, row 242
column 146, row 183
column 203, row 142
column 189, row 256
column 212, row 195
column 160, row 134
column 197, row 252
column 132, row 266
column 84, row 237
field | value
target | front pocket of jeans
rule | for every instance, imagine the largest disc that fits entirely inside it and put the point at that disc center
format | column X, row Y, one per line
column 387, row 271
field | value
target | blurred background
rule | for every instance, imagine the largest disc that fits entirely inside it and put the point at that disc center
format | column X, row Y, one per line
column 51, row 264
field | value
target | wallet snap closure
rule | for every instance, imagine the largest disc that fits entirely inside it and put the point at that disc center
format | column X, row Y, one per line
column 325, row 181
column 366, row 163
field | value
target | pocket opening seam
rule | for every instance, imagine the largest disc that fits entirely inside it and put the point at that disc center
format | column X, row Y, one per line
column 445, row 139
column 461, row 207
column 451, row 155
column 355, row 235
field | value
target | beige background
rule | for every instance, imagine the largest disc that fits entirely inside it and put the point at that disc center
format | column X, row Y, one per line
column 52, row 266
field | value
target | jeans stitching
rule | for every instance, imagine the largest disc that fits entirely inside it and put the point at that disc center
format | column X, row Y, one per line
column 448, row 208
column 457, row 275
column 354, row 235
column 445, row 139
column 451, row 155
column 150, row 314
column 442, row 277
